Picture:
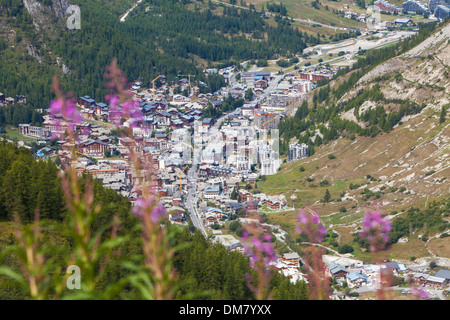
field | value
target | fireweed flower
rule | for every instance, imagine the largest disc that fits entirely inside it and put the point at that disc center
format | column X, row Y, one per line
column 114, row 110
column 143, row 206
column 64, row 113
column 376, row 229
column 420, row 293
column 259, row 248
column 310, row 224
column 130, row 109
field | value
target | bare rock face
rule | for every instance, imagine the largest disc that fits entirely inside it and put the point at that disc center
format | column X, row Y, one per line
column 32, row 51
column 60, row 7
column 36, row 11
column 43, row 16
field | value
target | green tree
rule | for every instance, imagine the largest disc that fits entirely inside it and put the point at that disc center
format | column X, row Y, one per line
column 443, row 114
column 327, row 197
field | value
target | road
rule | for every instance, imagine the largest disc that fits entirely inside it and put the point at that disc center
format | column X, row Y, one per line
column 192, row 174
column 122, row 19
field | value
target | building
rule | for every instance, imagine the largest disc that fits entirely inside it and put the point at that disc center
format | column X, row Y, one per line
column 440, row 8
column 86, row 101
column 414, row 6
column 255, row 76
column 383, row 5
column 445, row 274
column 93, row 148
column 442, row 12
column 237, row 247
column 337, row 270
column 298, row 151
column 280, row 99
column 291, row 258
column 29, row 130
column 211, row 192
column 268, row 160
column 267, row 120
column 357, row 279
column 403, row 22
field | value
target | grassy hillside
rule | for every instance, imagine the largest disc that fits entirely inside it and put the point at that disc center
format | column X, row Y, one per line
column 394, row 171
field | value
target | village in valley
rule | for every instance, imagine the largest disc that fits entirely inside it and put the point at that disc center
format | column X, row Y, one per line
column 207, row 168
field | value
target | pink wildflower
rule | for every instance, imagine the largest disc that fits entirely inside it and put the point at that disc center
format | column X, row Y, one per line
column 376, row 229
column 64, row 113
column 142, row 207
column 259, row 249
column 420, row 293
column 311, row 225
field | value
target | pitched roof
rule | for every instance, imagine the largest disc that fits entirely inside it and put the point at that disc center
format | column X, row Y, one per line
column 443, row 274
column 357, row 275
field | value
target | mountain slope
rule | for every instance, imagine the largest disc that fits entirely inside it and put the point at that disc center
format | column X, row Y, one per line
column 395, row 170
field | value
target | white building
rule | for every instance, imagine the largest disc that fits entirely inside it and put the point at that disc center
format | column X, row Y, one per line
column 298, row 151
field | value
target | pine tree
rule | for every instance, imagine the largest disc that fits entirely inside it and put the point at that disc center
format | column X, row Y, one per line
column 327, row 196
column 443, row 114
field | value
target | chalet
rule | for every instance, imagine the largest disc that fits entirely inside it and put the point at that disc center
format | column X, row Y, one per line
column 395, row 267
column 291, row 258
column 251, row 178
column 99, row 108
column 160, row 136
column 86, row 101
column 260, row 84
column 176, row 124
column 21, row 99
column 177, row 214
column 9, row 100
column 211, row 192
column 180, row 98
column 2, row 97
column 429, row 280
column 207, row 122
column 210, row 219
column 187, row 119
column 163, row 118
column 204, row 101
column 420, row 278
column 234, row 207
column 216, row 211
column 93, row 148
column 244, row 194
column 258, row 91
column 84, row 128
column 336, row 270
column 403, row 22
column 357, row 279
column 177, row 198
column 88, row 114
column 104, row 116
column 177, row 217
column 238, row 247
column 148, row 107
column 45, row 152
column 217, row 104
